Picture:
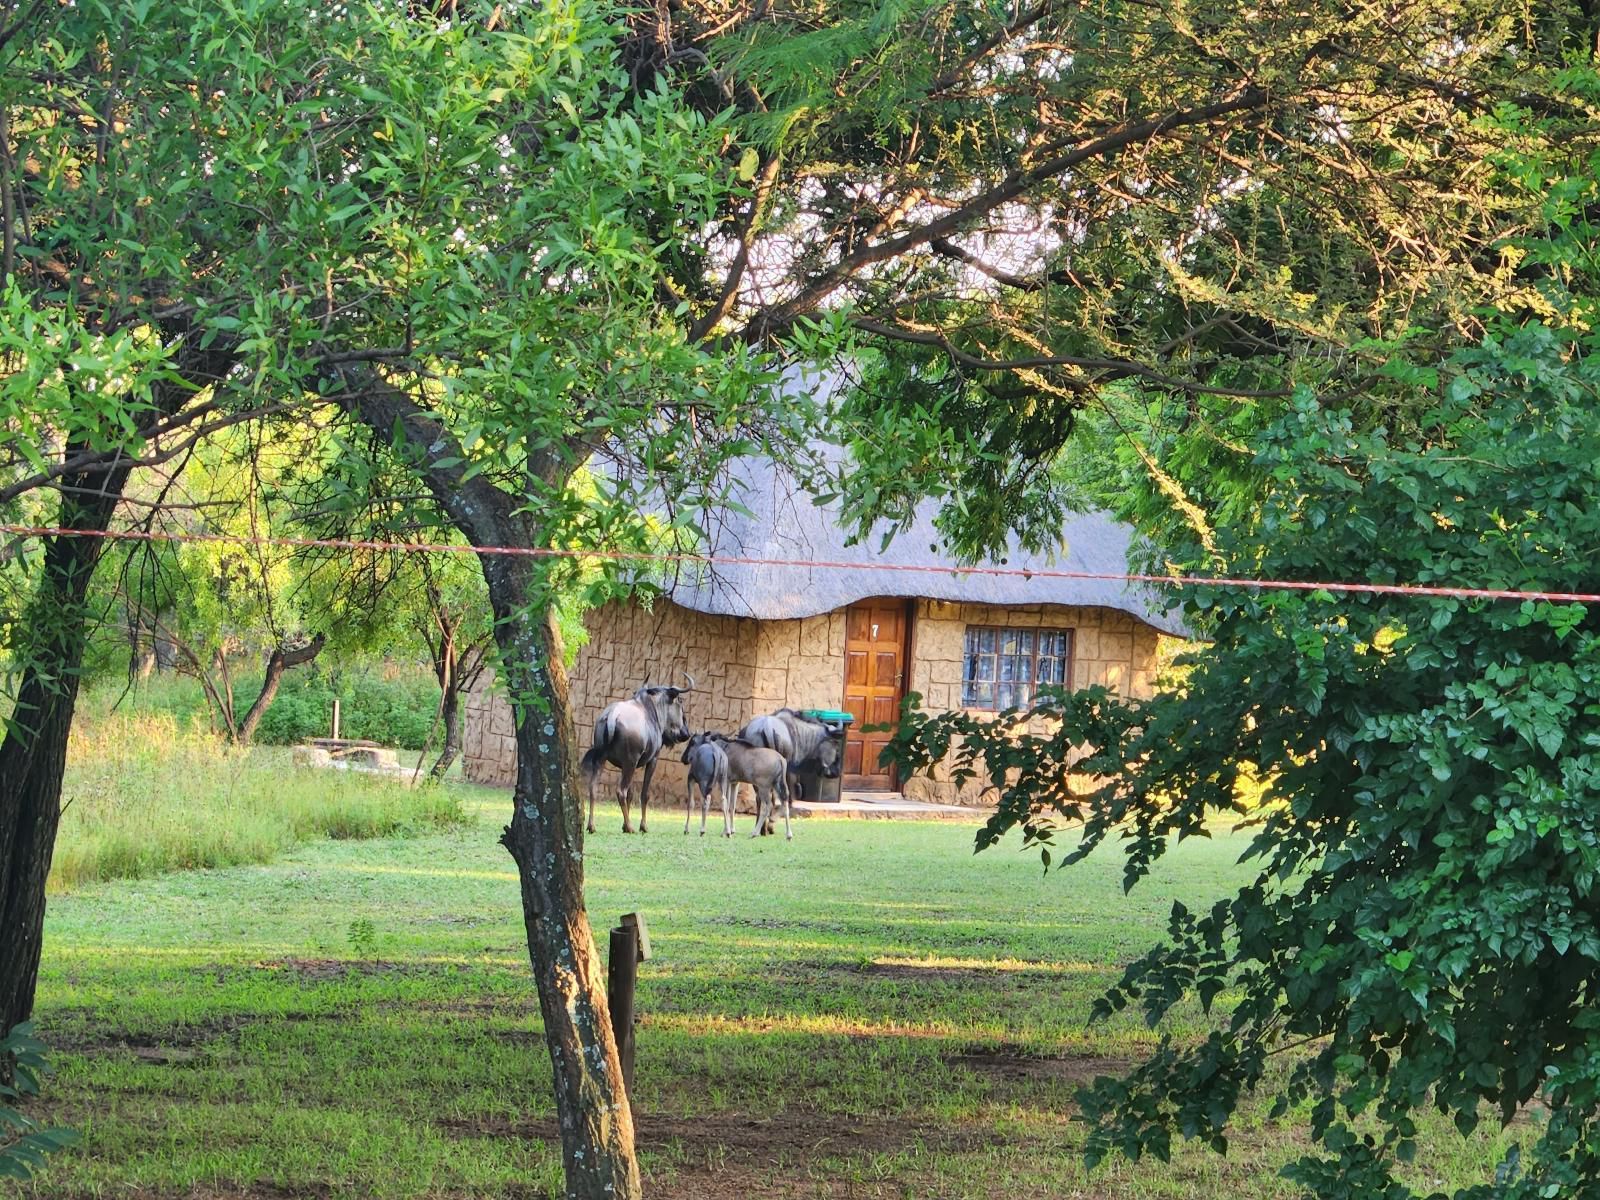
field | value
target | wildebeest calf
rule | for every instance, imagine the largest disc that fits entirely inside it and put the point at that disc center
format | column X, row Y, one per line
column 763, row 769
column 708, row 769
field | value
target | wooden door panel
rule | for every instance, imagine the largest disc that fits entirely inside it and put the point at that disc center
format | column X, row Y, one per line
column 875, row 670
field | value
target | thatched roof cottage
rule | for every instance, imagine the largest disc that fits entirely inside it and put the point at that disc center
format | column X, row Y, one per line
column 856, row 638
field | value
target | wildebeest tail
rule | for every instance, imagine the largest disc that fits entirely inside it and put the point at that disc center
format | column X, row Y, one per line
column 595, row 757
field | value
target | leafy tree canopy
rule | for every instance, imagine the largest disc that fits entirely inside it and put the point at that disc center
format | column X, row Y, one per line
column 1422, row 927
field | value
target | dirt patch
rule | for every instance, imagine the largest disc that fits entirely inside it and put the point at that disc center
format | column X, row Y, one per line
column 788, row 924
column 181, row 1043
column 932, row 973
column 1009, row 1061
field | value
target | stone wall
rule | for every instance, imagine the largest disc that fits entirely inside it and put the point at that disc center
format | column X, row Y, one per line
column 743, row 667
column 800, row 664
column 488, row 735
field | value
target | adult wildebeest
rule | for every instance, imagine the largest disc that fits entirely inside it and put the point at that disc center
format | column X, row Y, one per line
column 708, row 769
column 803, row 741
column 763, row 769
column 630, row 734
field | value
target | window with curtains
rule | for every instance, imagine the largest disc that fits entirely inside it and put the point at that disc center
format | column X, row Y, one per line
column 1004, row 666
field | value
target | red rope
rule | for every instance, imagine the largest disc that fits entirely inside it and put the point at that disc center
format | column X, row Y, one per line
column 1296, row 585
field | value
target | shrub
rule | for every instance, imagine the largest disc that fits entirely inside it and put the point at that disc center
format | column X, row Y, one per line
column 396, row 706
column 24, row 1142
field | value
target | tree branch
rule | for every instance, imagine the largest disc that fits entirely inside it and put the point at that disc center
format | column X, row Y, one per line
column 1107, row 369
column 953, row 76
column 779, row 317
column 81, row 463
column 482, row 511
column 707, row 321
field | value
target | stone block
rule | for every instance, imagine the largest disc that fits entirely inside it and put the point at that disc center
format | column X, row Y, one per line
column 311, row 756
column 777, row 642
column 740, row 684
column 770, row 685
column 814, row 637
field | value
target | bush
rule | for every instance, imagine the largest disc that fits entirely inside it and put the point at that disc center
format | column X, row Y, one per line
column 396, row 706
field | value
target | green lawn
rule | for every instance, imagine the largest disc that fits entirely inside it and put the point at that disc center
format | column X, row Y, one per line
column 870, row 1011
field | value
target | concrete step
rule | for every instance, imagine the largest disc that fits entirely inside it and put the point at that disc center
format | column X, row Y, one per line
column 888, row 806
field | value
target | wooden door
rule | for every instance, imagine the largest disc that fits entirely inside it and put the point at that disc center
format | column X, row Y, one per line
column 876, row 654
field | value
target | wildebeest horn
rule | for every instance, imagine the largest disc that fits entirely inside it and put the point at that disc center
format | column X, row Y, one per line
column 690, row 678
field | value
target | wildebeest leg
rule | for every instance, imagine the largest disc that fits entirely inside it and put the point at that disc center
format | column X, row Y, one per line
column 625, row 798
column 594, row 778
column 788, row 833
column 644, row 795
column 763, row 807
column 770, row 827
column 688, row 806
column 727, row 804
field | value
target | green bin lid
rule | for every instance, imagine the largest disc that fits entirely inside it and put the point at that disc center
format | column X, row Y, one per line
column 828, row 714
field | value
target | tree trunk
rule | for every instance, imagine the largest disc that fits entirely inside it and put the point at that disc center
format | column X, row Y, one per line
column 33, row 754
column 141, row 647
column 166, row 653
column 545, row 838
column 450, row 715
column 280, row 662
column 52, row 637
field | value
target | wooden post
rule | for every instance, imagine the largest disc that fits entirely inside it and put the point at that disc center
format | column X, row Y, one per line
column 620, row 980
column 335, row 734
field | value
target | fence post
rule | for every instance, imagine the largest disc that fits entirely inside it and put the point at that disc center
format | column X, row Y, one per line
column 335, row 734
column 620, row 981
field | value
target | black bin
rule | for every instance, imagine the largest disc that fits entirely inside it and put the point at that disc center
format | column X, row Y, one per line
column 813, row 787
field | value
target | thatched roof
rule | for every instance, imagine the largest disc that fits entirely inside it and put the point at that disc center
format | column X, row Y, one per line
column 784, row 523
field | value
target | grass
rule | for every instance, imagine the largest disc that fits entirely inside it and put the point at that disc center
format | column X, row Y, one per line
column 870, row 1011
column 147, row 793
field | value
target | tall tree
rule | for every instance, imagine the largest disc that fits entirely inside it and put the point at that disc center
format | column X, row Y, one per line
column 217, row 604
column 45, row 649
column 512, row 240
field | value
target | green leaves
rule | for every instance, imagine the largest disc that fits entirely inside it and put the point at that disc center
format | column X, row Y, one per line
column 1424, row 913
column 24, row 1142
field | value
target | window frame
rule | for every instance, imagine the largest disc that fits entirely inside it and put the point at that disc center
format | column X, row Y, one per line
column 995, row 683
